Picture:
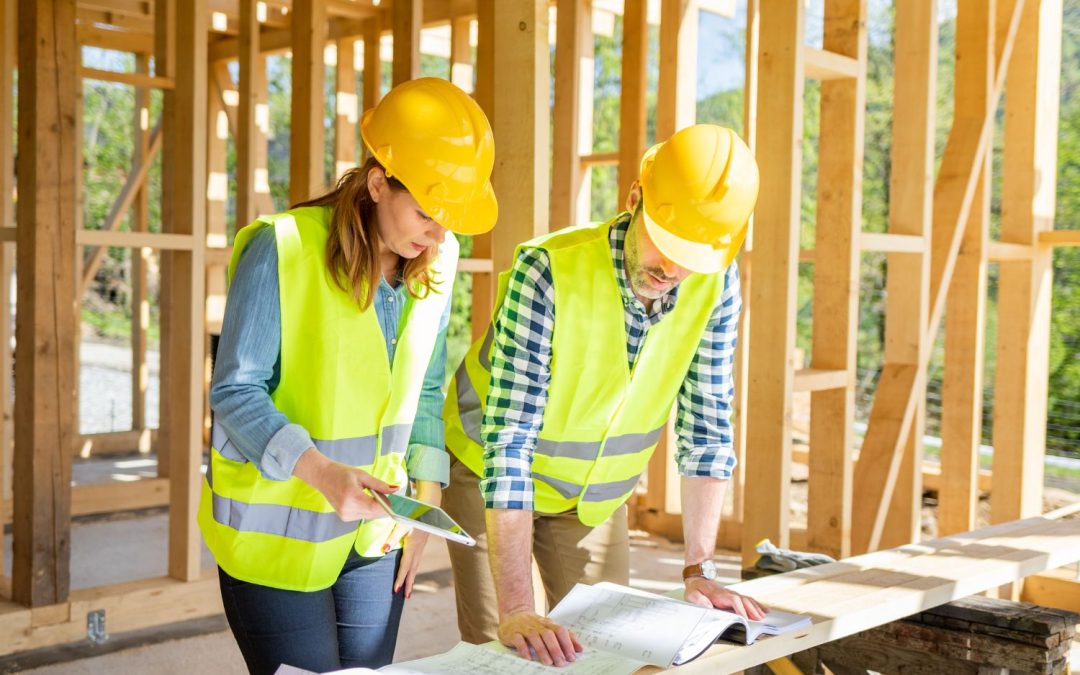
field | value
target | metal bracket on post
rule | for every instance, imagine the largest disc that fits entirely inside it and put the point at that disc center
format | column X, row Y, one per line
column 95, row 626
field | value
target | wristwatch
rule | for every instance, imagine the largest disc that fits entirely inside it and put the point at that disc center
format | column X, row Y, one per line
column 705, row 569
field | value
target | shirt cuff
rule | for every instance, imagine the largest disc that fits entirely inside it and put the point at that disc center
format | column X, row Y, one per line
column 283, row 450
column 425, row 462
column 708, row 462
column 507, row 492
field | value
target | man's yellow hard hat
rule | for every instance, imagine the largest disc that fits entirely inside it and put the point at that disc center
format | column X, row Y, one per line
column 436, row 140
column 698, row 189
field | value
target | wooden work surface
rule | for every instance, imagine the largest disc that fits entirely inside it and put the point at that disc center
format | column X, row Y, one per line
column 861, row 592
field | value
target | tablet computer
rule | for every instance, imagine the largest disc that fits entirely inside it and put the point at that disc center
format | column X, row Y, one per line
column 423, row 516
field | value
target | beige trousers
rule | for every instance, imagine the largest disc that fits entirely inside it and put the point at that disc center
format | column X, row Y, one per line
column 565, row 551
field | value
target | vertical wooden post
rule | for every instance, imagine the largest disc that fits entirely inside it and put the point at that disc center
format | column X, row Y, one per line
column 1027, row 208
column 406, row 16
column 573, row 38
column 676, row 97
column 140, row 303
column 911, row 207
column 348, row 108
column 483, row 289
column 306, row 153
column 776, row 259
column 45, row 413
column 246, row 131
column 8, row 50
column 217, row 193
column 521, row 124
column 461, row 62
column 632, row 112
column 965, row 317
column 836, row 282
column 181, row 54
column 372, row 84
column 264, row 202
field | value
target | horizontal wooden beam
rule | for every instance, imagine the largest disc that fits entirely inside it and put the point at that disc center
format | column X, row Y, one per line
column 475, row 265
column 1059, row 588
column 134, row 79
column 820, row 64
column 1060, row 237
column 931, row 472
column 600, row 159
column 115, row 443
column 815, row 379
column 999, row 251
column 111, row 497
column 119, row 40
column 892, row 243
column 161, row 241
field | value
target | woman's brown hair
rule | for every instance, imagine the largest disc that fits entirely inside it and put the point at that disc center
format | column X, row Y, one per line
column 352, row 247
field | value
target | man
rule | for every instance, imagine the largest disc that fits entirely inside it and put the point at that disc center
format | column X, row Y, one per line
column 598, row 330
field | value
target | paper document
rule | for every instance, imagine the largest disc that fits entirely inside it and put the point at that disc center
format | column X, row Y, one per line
column 495, row 659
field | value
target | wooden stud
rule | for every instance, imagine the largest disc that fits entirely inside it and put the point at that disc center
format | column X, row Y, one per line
column 247, row 134
column 910, row 216
column 182, row 54
column 216, row 200
column 134, row 79
column 348, row 108
column 892, row 242
column 632, row 99
column 45, row 411
column 461, row 62
column 8, row 50
column 965, row 318
column 372, row 82
column 776, row 253
column 306, row 151
column 140, row 258
column 825, row 64
column 1024, row 286
column 406, row 16
column 1060, row 237
column 676, row 97
column 483, row 284
column 573, row 54
column 836, row 281
column 521, row 122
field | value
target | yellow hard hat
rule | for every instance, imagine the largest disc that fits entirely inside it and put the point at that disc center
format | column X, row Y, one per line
column 698, row 190
column 434, row 139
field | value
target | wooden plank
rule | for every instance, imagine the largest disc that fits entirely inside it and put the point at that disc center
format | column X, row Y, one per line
column 1058, row 588
column 890, row 242
column 129, row 193
column 826, row 64
column 521, row 122
column 140, row 258
column 819, row 379
column 954, row 193
column 632, row 98
column 129, row 606
column 8, row 55
column 45, row 379
column 306, row 151
column 461, row 65
column 97, row 498
column 1024, row 286
column 483, row 284
column 247, row 134
column 573, row 54
column 216, row 200
column 931, row 472
column 476, row 265
column 134, row 79
column 1060, row 237
column 1004, row 251
column 836, row 284
column 182, row 54
column 348, row 109
column 124, row 41
column 965, row 318
column 676, row 98
column 406, row 15
column 773, row 293
column 163, row 241
column 372, row 80
column 115, row 443
column 599, row 159
column 910, row 216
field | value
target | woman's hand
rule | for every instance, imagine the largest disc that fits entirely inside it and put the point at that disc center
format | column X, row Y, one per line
column 414, row 541
column 342, row 485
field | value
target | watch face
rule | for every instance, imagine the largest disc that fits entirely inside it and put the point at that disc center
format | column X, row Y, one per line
column 708, row 569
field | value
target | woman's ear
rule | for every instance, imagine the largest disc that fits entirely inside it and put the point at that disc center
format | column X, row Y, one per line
column 376, row 182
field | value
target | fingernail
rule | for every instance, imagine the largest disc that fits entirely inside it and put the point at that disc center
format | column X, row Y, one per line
column 386, row 548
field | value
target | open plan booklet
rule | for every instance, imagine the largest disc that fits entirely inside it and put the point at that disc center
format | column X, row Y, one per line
column 622, row 630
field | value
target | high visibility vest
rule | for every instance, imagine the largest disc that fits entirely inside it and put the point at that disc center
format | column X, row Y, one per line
column 602, row 420
column 336, row 382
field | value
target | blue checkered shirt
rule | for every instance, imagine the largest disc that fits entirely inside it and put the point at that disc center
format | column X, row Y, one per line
column 521, row 372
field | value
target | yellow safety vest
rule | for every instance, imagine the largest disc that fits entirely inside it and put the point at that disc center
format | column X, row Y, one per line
column 336, row 382
column 602, row 420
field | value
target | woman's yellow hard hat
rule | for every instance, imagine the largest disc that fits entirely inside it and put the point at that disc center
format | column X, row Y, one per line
column 436, row 140
column 698, row 190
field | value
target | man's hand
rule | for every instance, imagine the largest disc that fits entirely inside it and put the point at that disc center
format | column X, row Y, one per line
column 707, row 593
column 552, row 643
column 343, row 485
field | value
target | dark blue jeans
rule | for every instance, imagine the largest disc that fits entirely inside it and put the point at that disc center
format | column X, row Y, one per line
column 354, row 623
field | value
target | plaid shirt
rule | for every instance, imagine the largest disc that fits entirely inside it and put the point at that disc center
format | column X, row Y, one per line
column 521, row 372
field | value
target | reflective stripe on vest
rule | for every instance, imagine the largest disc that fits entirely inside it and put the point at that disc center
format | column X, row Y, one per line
column 601, row 420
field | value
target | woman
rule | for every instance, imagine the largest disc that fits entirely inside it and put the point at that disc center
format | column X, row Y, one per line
column 327, row 385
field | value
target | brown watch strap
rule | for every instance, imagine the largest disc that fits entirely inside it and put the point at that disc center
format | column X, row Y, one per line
column 692, row 571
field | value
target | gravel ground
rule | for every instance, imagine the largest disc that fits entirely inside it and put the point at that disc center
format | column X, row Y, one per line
column 105, row 387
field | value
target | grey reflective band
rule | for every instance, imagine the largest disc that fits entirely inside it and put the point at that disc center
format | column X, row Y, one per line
column 281, row 521
column 469, row 409
column 628, row 444
column 600, row 492
column 568, row 449
column 485, row 348
column 565, row 488
column 356, row 451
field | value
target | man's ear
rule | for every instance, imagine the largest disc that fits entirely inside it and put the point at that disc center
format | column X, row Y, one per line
column 634, row 197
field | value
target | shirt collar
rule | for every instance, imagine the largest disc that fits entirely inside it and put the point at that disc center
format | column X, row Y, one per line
column 617, row 237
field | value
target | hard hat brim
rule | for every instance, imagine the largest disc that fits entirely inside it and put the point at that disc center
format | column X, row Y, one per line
column 476, row 217
column 692, row 255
